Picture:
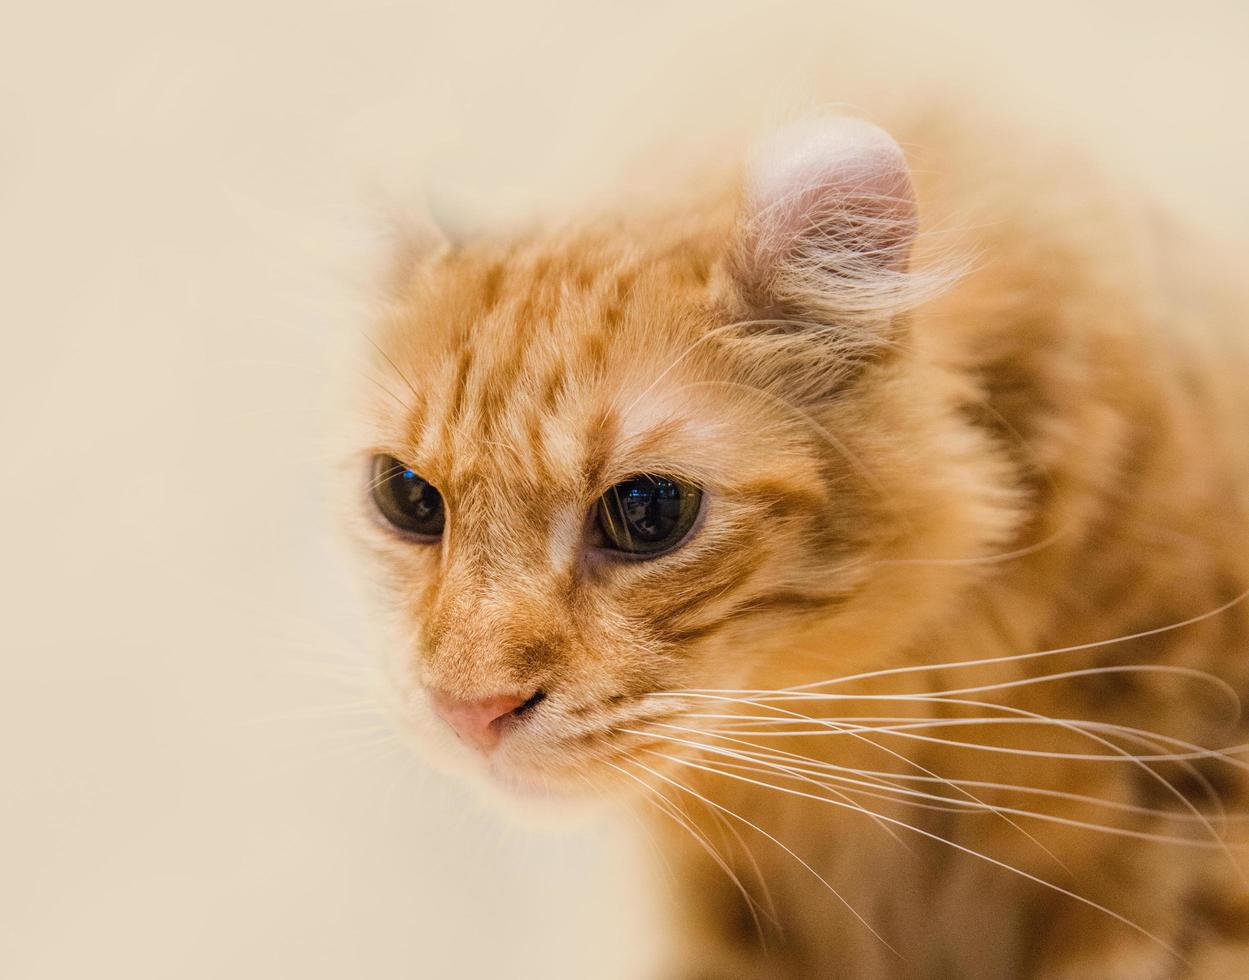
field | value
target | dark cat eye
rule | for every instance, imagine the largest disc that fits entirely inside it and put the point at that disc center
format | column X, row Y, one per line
column 405, row 499
column 647, row 515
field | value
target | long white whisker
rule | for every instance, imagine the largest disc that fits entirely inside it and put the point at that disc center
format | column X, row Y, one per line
column 1118, row 750
column 914, row 764
column 736, row 816
column 1015, row 658
column 670, row 809
column 960, row 847
column 934, row 801
column 754, row 865
column 889, row 777
column 734, row 754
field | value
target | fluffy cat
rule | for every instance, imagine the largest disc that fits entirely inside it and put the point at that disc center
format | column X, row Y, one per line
column 878, row 523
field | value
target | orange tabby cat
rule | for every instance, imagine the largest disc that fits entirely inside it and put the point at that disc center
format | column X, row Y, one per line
column 883, row 536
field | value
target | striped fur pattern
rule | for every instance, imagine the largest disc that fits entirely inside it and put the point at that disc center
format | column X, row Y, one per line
column 941, row 683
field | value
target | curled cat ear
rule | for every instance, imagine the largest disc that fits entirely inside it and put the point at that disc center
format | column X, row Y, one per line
column 828, row 222
column 450, row 211
column 409, row 238
column 436, row 224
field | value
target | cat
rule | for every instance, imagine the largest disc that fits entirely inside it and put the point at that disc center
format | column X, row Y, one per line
column 876, row 522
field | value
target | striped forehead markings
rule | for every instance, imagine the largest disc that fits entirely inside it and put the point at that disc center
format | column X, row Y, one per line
column 484, row 389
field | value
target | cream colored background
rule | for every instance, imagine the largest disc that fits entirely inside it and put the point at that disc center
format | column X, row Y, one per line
column 185, row 193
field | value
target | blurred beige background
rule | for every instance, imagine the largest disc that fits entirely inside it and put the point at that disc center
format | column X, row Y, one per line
column 188, row 200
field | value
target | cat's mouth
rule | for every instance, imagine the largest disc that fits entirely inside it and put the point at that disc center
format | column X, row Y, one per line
column 543, row 747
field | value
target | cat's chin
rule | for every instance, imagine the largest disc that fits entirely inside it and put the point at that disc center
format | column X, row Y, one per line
column 533, row 788
column 541, row 799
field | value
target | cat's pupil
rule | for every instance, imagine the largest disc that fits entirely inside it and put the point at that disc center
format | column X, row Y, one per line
column 651, row 509
column 417, row 496
column 405, row 499
column 648, row 514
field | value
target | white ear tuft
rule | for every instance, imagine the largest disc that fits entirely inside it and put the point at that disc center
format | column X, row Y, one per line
column 841, row 177
column 830, row 218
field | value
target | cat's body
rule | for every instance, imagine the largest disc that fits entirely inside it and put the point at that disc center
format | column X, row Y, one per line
column 1052, row 453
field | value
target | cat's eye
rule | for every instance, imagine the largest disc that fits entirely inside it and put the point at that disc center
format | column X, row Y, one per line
column 648, row 515
column 407, row 501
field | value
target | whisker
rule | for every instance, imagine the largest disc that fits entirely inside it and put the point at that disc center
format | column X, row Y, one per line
column 1140, row 761
column 912, row 762
column 661, row 802
column 951, row 805
column 778, row 843
column 1188, row 672
column 1015, row 658
column 902, row 725
column 977, row 803
column 722, row 822
column 982, row 784
column 402, row 377
column 721, row 750
column 1192, row 751
column 1119, row 917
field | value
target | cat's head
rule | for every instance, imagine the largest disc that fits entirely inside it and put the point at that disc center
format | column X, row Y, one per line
column 691, row 452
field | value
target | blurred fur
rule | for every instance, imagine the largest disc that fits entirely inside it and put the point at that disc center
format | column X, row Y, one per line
column 1023, row 430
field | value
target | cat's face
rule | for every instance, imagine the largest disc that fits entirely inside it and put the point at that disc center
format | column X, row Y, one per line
column 608, row 467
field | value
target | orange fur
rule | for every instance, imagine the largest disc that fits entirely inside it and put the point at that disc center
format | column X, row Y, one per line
column 1049, row 454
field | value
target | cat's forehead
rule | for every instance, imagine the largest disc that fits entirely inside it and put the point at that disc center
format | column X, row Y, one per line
column 565, row 366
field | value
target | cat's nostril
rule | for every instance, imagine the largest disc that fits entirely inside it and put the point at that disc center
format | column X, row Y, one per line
column 479, row 721
column 538, row 697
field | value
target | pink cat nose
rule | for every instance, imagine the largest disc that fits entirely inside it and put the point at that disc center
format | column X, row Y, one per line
column 480, row 721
